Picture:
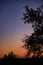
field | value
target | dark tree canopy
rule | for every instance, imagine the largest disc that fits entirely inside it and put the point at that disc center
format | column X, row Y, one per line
column 35, row 17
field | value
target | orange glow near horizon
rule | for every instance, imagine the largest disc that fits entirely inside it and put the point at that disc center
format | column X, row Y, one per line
column 18, row 51
column 12, row 43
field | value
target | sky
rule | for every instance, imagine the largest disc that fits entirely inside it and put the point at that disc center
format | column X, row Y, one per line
column 12, row 28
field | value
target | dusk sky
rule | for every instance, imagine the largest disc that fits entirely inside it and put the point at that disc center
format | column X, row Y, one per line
column 12, row 28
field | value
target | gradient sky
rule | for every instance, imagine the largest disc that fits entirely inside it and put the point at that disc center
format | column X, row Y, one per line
column 12, row 28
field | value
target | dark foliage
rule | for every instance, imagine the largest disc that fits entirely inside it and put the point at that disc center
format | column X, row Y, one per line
column 34, row 42
column 20, row 61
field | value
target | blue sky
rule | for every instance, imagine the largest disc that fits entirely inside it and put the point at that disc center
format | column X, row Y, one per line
column 11, row 13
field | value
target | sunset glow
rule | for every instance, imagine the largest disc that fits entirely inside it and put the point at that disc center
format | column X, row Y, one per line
column 12, row 28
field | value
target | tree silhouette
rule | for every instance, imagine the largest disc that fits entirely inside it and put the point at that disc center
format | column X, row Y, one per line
column 34, row 42
column 11, row 55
